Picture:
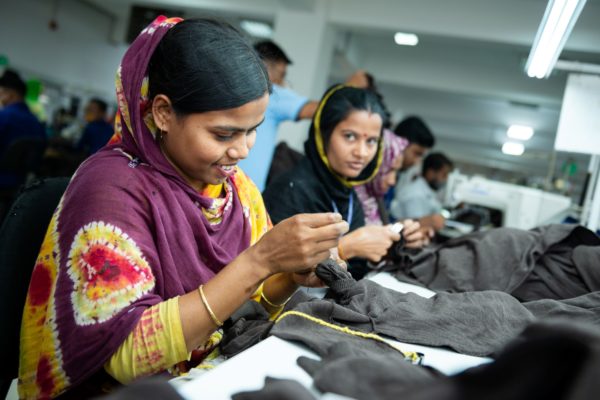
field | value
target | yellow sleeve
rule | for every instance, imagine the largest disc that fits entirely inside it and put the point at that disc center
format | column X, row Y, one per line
column 155, row 344
column 274, row 313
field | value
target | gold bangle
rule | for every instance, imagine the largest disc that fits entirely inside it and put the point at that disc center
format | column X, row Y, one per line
column 340, row 252
column 207, row 306
column 262, row 296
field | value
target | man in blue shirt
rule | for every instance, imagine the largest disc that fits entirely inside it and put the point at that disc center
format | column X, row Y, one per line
column 418, row 199
column 16, row 120
column 284, row 105
column 97, row 132
column 421, row 140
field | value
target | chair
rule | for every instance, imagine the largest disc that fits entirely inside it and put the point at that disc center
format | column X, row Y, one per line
column 21, row 236
column 20, row 161
column 284, row 159
column 23, row 156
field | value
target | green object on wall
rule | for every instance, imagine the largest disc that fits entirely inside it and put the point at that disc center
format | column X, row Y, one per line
column 569, row 168
column 34, row 89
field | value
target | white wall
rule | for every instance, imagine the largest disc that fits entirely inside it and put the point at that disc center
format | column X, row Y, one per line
column 311, row 57
column 79, row 54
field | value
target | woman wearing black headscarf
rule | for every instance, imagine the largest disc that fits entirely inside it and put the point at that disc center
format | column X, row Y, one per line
column 343, row 150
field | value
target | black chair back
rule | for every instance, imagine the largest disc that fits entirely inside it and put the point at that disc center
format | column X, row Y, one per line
column 21, row 237
column 22, row 156
column 284, row 159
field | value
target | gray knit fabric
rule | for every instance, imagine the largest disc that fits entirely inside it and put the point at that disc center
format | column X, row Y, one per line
column 551, row 361
column 276, row 389
column 475, row 323
column 536, row 264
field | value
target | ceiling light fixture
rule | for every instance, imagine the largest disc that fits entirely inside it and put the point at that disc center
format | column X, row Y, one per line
column 406, row 39
column 257, row 29
column 556, row 26
column 519, row 132
column 513, row 148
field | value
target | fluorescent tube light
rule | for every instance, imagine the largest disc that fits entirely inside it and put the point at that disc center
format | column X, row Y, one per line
column 257, row 29
column 519, row 132
column 513, row 148
column 556, row 26
column 406, row 39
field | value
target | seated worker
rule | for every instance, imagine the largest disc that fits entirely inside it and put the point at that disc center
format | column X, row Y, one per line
column 371, row 194
column 420, row 140
column 160, row 237
column 343, row 150
column 16, row 120
column 97, row 132
column 418, row 199
column 284, row 105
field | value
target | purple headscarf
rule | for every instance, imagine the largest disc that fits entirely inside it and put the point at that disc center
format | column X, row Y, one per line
column 371, row 193
column 128, row 233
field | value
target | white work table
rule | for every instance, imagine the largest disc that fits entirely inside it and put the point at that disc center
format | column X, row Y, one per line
column 276, row 358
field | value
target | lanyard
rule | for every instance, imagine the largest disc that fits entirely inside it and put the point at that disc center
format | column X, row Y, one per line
column 350, row 207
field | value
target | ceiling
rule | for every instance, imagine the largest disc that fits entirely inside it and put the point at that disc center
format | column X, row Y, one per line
column 465, row 77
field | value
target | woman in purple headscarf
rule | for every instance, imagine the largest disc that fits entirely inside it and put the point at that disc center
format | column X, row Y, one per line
column 159, row 236
column 371, row 194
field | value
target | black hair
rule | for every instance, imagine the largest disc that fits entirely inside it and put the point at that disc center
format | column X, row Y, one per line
column 206, row 65
column 100, row 103
column 341, row 103
column 11, row 80
column 269, row 51
column 436, row 161
column 372, row 86
column 416, row 131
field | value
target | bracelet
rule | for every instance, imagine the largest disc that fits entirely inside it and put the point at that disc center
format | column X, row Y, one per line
column 340, row 253
column 207, row 306
column 262, row 296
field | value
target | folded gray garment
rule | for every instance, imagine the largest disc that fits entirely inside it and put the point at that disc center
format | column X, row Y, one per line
column 247, row 326
column 552, row 360
column 277, row 389
column 319, row 324
column 149, row 388
column 348, row 371
column 475, row 323
column 587, row 259
column 531, row 264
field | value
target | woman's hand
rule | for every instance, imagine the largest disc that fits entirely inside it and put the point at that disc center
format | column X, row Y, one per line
column 310, row 279
column 283, row 258
column 299, row 243
column 414, row 234
column 370, row 242
column 358, row 79
column 307, row 279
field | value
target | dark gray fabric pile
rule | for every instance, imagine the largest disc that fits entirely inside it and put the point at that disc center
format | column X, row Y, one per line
column 347, row 370
column 470, row 323
column 550, row 361
column 277, row 389
column 553, row 360
column 549, row 262
column 247, row 326
column 474, row 323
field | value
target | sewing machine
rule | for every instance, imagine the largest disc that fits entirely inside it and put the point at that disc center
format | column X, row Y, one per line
column 521, row 207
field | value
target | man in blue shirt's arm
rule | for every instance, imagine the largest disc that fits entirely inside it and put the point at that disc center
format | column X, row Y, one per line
column 284, row 105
